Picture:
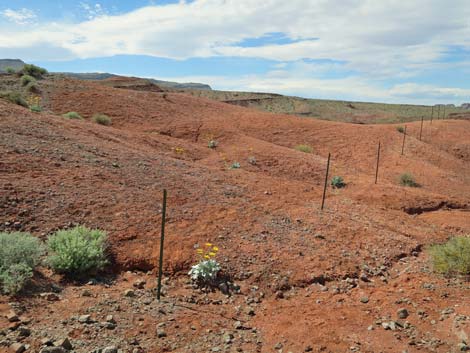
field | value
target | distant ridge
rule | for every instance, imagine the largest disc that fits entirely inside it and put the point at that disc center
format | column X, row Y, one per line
column 164, row 84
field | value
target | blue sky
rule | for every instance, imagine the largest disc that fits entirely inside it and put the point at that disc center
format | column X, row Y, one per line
column 385, row 51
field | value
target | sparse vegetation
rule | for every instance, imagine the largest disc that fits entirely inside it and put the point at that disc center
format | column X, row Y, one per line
column 36, row 108
column 304, row 148
column 32, row 87
column 407, row 179
column 453, row 257
column 400, row 129
column 235, row 165
column 25, row 79
column 14, row 97
column 212, row 144
column 205, row 272
column 10, row 70
column 77, row 251
column 337, row 182
column 102, row 119
column 33, row 70
column 252, row 160
column 72, row 115
column 20, row 253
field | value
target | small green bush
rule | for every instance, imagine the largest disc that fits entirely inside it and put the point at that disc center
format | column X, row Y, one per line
column 102, row 119
column 10, row 70
column 14, row 97
column 235, row 165
column 337, row 182
column 453, row 257
column 25, row 79
column 304, row 148
column 400, row 129
column 72, row 115
column 32, row 87
column 212, row 144
column 36, row 108
column 77, row 251
column 33, row 70
column 407, row 179
column 20, row 253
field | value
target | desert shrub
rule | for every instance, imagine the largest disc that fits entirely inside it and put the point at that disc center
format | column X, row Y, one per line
column 72, row 115
column 77, row 251
column 337, row 182
column 25, row 79
column 36, row 108
column 33, row 70
column 102, row 119
column 453, row 257
column 32, row 87
column 235, row 165
column 400, row 129
column 304, row 148
column 10, row 70
column 14, row 97
column 252, row 160
column 407, row 179
column 212, row 144
column 20, row 253
column 206, row 270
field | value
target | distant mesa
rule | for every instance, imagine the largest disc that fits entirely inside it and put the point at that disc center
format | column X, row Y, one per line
column 15, row 64
column 163, row 84
column 18, row 64
column 465, row 106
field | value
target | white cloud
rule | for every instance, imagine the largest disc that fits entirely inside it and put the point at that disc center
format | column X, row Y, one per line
column 379, row 37
column 21, row 17
column 369, row 39
column 93, row 10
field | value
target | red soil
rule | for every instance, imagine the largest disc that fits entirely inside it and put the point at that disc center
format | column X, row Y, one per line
column 264, row 217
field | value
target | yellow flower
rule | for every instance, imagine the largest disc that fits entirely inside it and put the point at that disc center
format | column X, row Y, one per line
column 199, row 251
column 212, row 253
column 207, row 257
column 208, row 244
column 215, row 248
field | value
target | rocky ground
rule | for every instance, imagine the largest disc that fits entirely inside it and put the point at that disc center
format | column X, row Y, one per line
column 354, row 277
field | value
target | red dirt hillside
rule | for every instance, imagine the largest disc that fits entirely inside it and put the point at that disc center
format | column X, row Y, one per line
column 315, row 281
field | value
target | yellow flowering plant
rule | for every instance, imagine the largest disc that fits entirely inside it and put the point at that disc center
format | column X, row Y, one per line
column 207, row 268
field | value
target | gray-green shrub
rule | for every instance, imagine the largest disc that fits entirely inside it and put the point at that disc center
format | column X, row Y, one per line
column 337, row 182
column 32, row 87
column 453, row 257
column 102, row 119
column 25, row 79
column 14, row 97
column 407, row 179
column 10, row 70
column 36, row 108
column 33, row 70
column 72, row 115
column 400, row 129
column 77, row 251
column 304, row 148
column 20, row 253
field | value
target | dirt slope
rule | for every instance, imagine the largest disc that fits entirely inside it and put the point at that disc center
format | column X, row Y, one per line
column 264, row 216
